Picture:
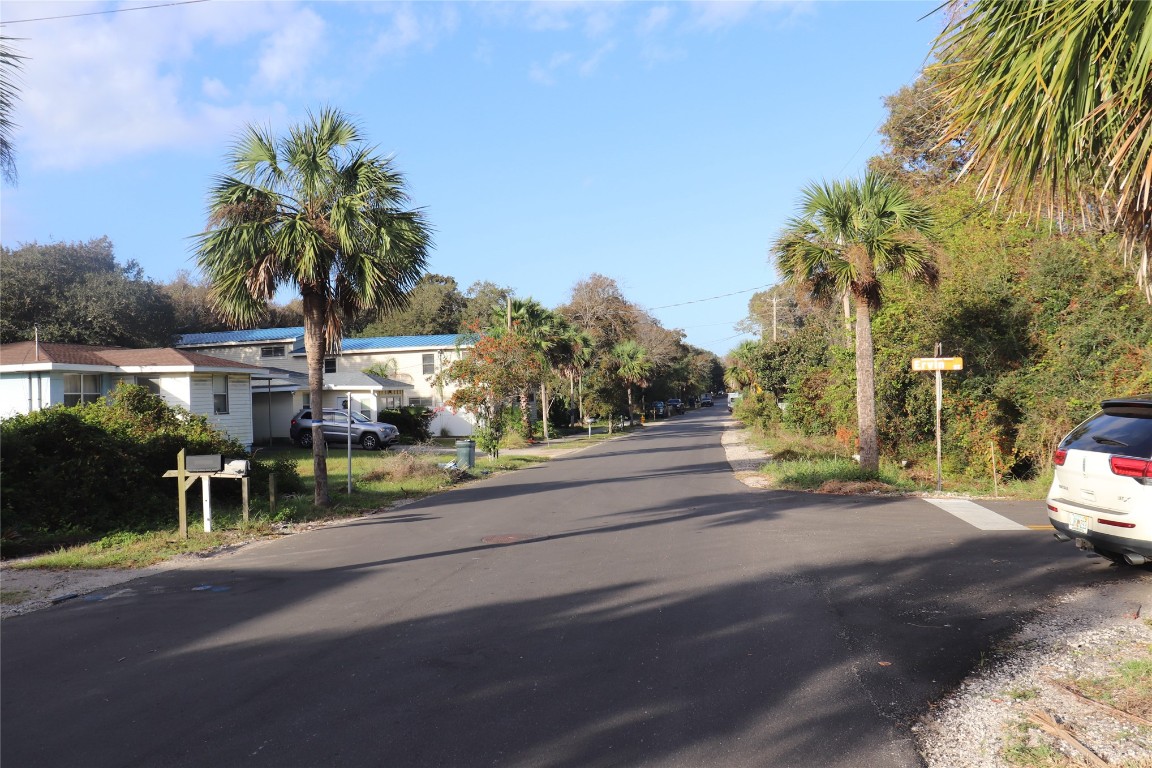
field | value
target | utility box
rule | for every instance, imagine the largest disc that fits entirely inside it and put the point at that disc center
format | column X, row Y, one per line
column 465, row 454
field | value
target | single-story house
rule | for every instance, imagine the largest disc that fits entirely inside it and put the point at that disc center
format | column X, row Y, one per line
column 369, row 374
column 36, row 375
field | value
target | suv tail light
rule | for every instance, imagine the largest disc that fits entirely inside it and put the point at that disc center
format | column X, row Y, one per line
column 1059, row 457
column 1127, row 466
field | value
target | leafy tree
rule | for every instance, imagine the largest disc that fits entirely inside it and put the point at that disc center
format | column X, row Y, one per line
column 913, row 151
column 78, row 293
column 495, row 369
column 319, row 211
column 435, row 306
column 1053, row 98
column 479, row 300
column 598, row 306
column 848, row 234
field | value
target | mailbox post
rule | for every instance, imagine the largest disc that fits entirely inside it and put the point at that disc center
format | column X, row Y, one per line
column 189, row 469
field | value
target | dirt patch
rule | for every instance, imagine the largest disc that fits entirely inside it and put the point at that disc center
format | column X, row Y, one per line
column 855, row 487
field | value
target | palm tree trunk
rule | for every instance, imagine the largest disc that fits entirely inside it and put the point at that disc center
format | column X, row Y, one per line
column 630, row 407
column 866, row 389
column 525, row 416
column 314, row 348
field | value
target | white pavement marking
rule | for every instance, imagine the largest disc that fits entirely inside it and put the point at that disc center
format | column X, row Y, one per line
column 976, row 515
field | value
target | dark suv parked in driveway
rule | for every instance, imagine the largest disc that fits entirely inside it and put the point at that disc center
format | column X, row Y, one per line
column 372, row 435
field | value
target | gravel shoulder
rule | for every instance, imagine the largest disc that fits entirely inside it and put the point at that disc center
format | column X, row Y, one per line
column 1085, row 634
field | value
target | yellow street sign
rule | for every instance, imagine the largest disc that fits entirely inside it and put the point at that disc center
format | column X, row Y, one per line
column 937, row 363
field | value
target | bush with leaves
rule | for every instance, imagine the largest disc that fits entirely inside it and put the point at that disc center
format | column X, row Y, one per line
column 412, row 421
column 97, row 468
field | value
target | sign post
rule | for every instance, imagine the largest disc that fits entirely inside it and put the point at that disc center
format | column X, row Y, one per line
column 938, row 364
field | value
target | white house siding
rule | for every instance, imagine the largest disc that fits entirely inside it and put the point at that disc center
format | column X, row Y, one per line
column 238, row 421
column 26, row 392
column 250, row 354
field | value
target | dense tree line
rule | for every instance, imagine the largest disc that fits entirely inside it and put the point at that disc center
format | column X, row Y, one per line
column 1046, row 316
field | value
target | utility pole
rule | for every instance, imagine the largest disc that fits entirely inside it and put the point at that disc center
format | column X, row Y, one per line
column 774, row 299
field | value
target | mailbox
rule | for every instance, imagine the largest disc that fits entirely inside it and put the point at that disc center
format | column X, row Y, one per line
column 213, row 462
column 238, row 467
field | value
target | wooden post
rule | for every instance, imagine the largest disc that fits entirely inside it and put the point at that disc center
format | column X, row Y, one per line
column 272, row 494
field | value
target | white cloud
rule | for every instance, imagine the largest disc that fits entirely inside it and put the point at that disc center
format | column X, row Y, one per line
column 287, row 53
column 95, row 89
column 410, row 26
column 214, row 89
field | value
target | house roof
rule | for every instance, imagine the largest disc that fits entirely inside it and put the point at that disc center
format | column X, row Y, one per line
column 354, row 380
column 252, row 336
column 374, row 343
column 284, row 335
column 55, row 355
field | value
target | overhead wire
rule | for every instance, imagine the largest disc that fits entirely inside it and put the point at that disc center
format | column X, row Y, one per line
column 101, row 13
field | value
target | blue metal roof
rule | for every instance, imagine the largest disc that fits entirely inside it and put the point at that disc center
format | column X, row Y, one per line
column 240, row 337
column 264, row 335
column 400, row 342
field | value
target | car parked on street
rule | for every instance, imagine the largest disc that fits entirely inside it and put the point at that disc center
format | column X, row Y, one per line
column 658, row 409
column 706, row 401
column 372, row 435
column 675, row 405
column 1101, row 495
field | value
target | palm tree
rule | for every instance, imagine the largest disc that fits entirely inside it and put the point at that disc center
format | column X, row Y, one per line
column 633, row 367
column 318, row 211
column 1053, row 98
column 10, row 65
column 848, row 234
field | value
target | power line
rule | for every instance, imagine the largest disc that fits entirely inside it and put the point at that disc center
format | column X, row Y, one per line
column 710, row 298
column 101, row 13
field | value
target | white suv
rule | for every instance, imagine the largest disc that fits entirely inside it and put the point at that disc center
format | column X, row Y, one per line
column 1101, row 494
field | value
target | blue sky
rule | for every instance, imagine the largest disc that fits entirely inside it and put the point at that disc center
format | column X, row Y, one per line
column 661, row 144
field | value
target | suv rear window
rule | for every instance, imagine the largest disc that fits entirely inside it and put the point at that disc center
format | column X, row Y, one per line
column 1124, row 429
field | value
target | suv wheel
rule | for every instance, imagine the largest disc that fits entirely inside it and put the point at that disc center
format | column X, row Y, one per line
column 370, row 441
column 305, row 438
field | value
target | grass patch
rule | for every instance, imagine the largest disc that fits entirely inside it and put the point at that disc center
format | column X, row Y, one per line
column 13, row 596
column 1027, row 747
column 379, row 479
column 1128, row 688
column 137, row 550
column 822, row 463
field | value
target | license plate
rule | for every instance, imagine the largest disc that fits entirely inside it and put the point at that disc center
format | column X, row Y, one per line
column 1078, row 523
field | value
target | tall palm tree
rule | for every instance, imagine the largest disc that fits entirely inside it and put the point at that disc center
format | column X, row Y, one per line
column 319, row 211
column 847, row 235
column 10, row 65
column 633, row 367
column 530, row 320
column 1053, row 98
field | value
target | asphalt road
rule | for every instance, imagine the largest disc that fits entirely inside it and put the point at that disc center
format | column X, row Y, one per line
column 628, row 605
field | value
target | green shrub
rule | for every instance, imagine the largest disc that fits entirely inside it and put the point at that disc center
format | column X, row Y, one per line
column 412, row 421
column 99, row 468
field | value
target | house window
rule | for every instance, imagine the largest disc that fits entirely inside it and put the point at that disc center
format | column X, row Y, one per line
column 272, row 351
column 329, row 365
column 420, row 402
column 81, row 388
column 429, row 365
column 220, row 393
